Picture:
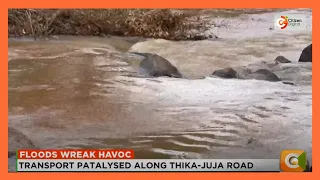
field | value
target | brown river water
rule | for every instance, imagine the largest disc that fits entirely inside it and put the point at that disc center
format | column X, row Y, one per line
column 75, row 92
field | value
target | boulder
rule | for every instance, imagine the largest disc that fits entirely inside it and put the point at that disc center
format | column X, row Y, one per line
column 155, row 66
column 306, row 54
column 228, row 73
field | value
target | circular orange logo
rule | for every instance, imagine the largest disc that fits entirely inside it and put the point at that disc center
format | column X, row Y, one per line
column 282, row 22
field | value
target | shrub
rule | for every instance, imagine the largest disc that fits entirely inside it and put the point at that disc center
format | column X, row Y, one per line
column 148, row 23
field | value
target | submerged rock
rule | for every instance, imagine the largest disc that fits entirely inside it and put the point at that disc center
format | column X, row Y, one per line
column 298, row 73
column 264, row 74
column 155, row 66
column 259, row 65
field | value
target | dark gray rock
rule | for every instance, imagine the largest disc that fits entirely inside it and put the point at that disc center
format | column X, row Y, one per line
column 306, row 54
column 155, row 66
column 264, row 74
column 228, row 73
column 282, row 59
column 293, row 73
column 288, row 82
column 247, row 73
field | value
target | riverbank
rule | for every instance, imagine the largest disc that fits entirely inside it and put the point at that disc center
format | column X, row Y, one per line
column 169, row 24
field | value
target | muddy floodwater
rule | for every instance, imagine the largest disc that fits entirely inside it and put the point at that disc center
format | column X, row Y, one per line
column 75, row 92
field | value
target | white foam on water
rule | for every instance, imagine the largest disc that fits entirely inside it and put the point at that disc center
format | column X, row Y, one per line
column 178, row 154
column 211, row 91
column 247, row 39
column 95, row 50
column 242, row 42
column 277, row 108
column 216, row 98
column 107, row 61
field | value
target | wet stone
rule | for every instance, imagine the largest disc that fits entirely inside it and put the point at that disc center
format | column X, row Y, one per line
column 282, row 59
column 306, row 54
column 225, row 73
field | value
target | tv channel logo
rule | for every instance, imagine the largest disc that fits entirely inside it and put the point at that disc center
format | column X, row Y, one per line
column 293, row 161
column 290, row 22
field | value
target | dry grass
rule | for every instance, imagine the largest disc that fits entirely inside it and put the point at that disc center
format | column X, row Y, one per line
column 171, row 24
column 149, row 23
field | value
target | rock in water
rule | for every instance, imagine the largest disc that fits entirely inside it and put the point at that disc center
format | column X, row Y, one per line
column 282, row 59
column 242, row 72
column 228, row 73
column 288, row 82
column 306, row 54
column 156, row 66
column 18, row 140
column 263, row 74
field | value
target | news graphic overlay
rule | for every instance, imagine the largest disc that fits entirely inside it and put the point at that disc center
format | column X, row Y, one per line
column 285, row 22
column 293, row 161
column 124, row 161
